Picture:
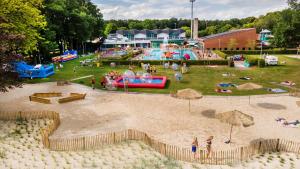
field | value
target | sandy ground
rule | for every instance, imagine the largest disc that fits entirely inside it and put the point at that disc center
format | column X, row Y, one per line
column 162, row 116
column 20, row 147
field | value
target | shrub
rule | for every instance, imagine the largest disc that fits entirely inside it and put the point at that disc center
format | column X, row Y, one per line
column 257, row 52
column 261, row 63
column 221, row 54
column 154, row 62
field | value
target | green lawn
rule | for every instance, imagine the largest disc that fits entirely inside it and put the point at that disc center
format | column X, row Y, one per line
column 201, row 78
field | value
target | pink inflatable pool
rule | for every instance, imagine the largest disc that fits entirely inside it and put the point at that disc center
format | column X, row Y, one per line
column 158, row 82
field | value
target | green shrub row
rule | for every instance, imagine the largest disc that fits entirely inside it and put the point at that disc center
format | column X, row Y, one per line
column 152, row 62
column 221, row 54
column 257, row 52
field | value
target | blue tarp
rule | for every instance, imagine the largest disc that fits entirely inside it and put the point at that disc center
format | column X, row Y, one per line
column 28, row 71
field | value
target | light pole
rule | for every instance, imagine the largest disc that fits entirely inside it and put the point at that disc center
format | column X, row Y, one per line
column 192, row 18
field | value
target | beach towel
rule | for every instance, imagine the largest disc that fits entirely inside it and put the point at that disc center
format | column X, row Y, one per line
column 223, row 91
column 277, row 90
column 226, row 85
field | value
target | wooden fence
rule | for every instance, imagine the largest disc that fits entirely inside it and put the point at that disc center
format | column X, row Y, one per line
column 217, row 157
column 72, row 97
column 295, row 94
column 45, row 132
column 39, row 100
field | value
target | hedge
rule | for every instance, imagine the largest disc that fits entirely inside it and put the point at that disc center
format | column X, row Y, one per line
column 152, row 62
column 257, row 52
column 221, row 54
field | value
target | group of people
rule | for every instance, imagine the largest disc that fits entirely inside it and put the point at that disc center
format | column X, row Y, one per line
column 149, row 68
column 195, row 146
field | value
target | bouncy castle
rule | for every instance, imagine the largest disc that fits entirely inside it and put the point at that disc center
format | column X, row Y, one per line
column 67, row 56
column 39, row 71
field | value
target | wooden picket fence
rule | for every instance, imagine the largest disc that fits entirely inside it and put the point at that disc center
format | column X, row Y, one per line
column 45, row 132
column 72, row 97
column 218, row 157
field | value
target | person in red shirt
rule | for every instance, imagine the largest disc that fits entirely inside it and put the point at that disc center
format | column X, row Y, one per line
column 93, row 83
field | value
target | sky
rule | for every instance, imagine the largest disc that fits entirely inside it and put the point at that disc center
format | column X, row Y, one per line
column 203, row 9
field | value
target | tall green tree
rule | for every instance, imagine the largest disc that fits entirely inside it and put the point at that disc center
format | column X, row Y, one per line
column 20, row 24
column 73, row 21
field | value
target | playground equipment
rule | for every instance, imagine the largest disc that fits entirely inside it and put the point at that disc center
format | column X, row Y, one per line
column 67, row 56
column 42, row 97
column 178, row 76
column 158, row 82
column 39, row 71
column 72, row 97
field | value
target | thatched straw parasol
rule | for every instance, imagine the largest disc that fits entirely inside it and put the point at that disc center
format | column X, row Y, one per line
column 249, row 86
column 188, row 94
column 235, row 118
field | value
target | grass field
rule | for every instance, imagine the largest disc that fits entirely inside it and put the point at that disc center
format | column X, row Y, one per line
column 203, row 79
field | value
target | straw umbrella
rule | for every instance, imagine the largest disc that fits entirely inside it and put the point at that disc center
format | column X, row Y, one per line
column 235, row 118
column 188, row 94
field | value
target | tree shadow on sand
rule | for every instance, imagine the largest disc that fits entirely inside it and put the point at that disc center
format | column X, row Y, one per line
column 271, row 106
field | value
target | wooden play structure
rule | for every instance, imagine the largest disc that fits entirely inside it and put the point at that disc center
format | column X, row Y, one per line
column 63, row 83
column 72, row 97
column 44, row 97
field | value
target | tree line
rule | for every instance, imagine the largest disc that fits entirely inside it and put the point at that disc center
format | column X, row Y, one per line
column 284, row 25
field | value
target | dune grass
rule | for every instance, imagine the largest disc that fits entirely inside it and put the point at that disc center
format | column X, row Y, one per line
column 201, row 78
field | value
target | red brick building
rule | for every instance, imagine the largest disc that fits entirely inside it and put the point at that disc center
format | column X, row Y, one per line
column 241, row 39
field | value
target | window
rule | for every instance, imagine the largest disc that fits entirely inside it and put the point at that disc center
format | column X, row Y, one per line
column 220, row 48
column 214, row 48
column 249, row 49
column 237, row 48
column 244, row 48
column 208, row 49
column 225, row 49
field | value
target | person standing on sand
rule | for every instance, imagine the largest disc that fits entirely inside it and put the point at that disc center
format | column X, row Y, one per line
column 208, row 145
column 93, row 83
column 126, row 82
column 194, row 147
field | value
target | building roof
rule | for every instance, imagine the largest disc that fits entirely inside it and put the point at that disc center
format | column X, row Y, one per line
column 146, row 31
column 265, row 31
column 225, row 33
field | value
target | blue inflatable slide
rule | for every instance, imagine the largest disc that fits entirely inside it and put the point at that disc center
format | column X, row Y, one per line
column 39, row 71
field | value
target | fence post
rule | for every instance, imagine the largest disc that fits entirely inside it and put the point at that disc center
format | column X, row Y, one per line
column 277, row 145
column 259, row 146
column 242, row 153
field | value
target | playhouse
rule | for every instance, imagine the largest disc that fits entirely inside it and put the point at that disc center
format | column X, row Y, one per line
column 28, row 71
column 67, row 56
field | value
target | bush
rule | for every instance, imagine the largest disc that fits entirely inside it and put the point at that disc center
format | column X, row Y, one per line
column 257, row 52
column 159, row 62
column 221, row 54
column 261, row 63
column 252, row 61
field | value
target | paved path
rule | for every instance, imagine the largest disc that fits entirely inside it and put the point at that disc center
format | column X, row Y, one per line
column 83, row 77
